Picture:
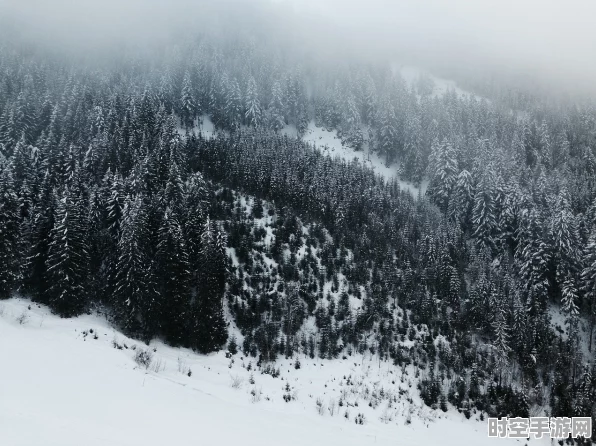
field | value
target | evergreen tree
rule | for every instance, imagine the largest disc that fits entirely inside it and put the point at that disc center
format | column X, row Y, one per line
column 443, row 174
column 9, row 232
column 387, row 132
column 588, row 280
column 501, row 342
column 68, row 262
column 173, row 276
column 460, row 205
column 276, row 107
column 233, row 105
column 137, row 301
column 253, row 104
column 483, row 215
column 187, row 101
column 210, row 331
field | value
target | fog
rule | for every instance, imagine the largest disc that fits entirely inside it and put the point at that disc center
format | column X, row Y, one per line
column 548, row 41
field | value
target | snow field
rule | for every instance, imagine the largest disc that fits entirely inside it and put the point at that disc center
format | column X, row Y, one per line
column 75, row 381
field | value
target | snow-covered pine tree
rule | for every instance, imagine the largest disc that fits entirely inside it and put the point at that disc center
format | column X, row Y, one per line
column 588, row 282
column 533, row 256
column 501, row 339
column 443, row 173
column 252, row 104
column 569, row 300
column 484, row 221
column 9, row 231
column 276, row 108
column 187, row 101
column 387, row 132
column 352, row 134
column 210, row 332
column 136, row 299
column 172, row 274
column 233, row 105
column 195, row 203
column 68, row 256
column 460, row 205
column 565, row 238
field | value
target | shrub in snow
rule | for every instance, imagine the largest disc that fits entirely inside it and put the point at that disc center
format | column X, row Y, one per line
column 332, row 407
column 320, row 406
column 236, row 382
column 158, row 365
column 116, row 344
column 255, row 395
column 270, row 370
column 143, row 357
column 360, row 419
column 386, row 417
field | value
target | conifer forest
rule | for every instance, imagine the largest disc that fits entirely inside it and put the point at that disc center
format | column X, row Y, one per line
column 175, row 192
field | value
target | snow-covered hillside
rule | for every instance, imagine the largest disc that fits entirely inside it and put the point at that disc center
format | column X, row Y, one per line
column 440, row 86
column 331, row 144
column 75, row 381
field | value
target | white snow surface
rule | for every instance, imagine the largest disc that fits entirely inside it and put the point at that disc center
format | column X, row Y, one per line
column 411, row 74
column 202, row 125
column 59, row 386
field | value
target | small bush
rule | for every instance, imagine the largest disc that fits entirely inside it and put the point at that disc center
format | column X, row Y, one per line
column 236, row 382
column 117, row 345
column 143, row 358
column 255, row 395
column 158, row 365
column 332, row 407
column 320, row 406
column 360, row 419
column 386, row 417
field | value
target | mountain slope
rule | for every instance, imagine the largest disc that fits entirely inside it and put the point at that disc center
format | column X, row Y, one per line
column 61, row 386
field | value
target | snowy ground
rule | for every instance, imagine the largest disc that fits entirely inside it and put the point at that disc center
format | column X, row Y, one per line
column 203, row 125
column 61, row 386
column 412, row 74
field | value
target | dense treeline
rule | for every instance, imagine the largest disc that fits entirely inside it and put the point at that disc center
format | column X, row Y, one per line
column 104, row 202
column 86, row 222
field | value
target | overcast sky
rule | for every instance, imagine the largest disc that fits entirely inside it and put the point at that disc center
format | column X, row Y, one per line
column 554, row 39
column 546, row 38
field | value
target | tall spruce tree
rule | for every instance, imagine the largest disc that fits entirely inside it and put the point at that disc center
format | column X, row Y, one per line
column 210, row 332
column 68, row 261
column 9, row 231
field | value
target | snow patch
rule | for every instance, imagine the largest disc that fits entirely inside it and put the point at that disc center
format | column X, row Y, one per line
column 412, row 75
